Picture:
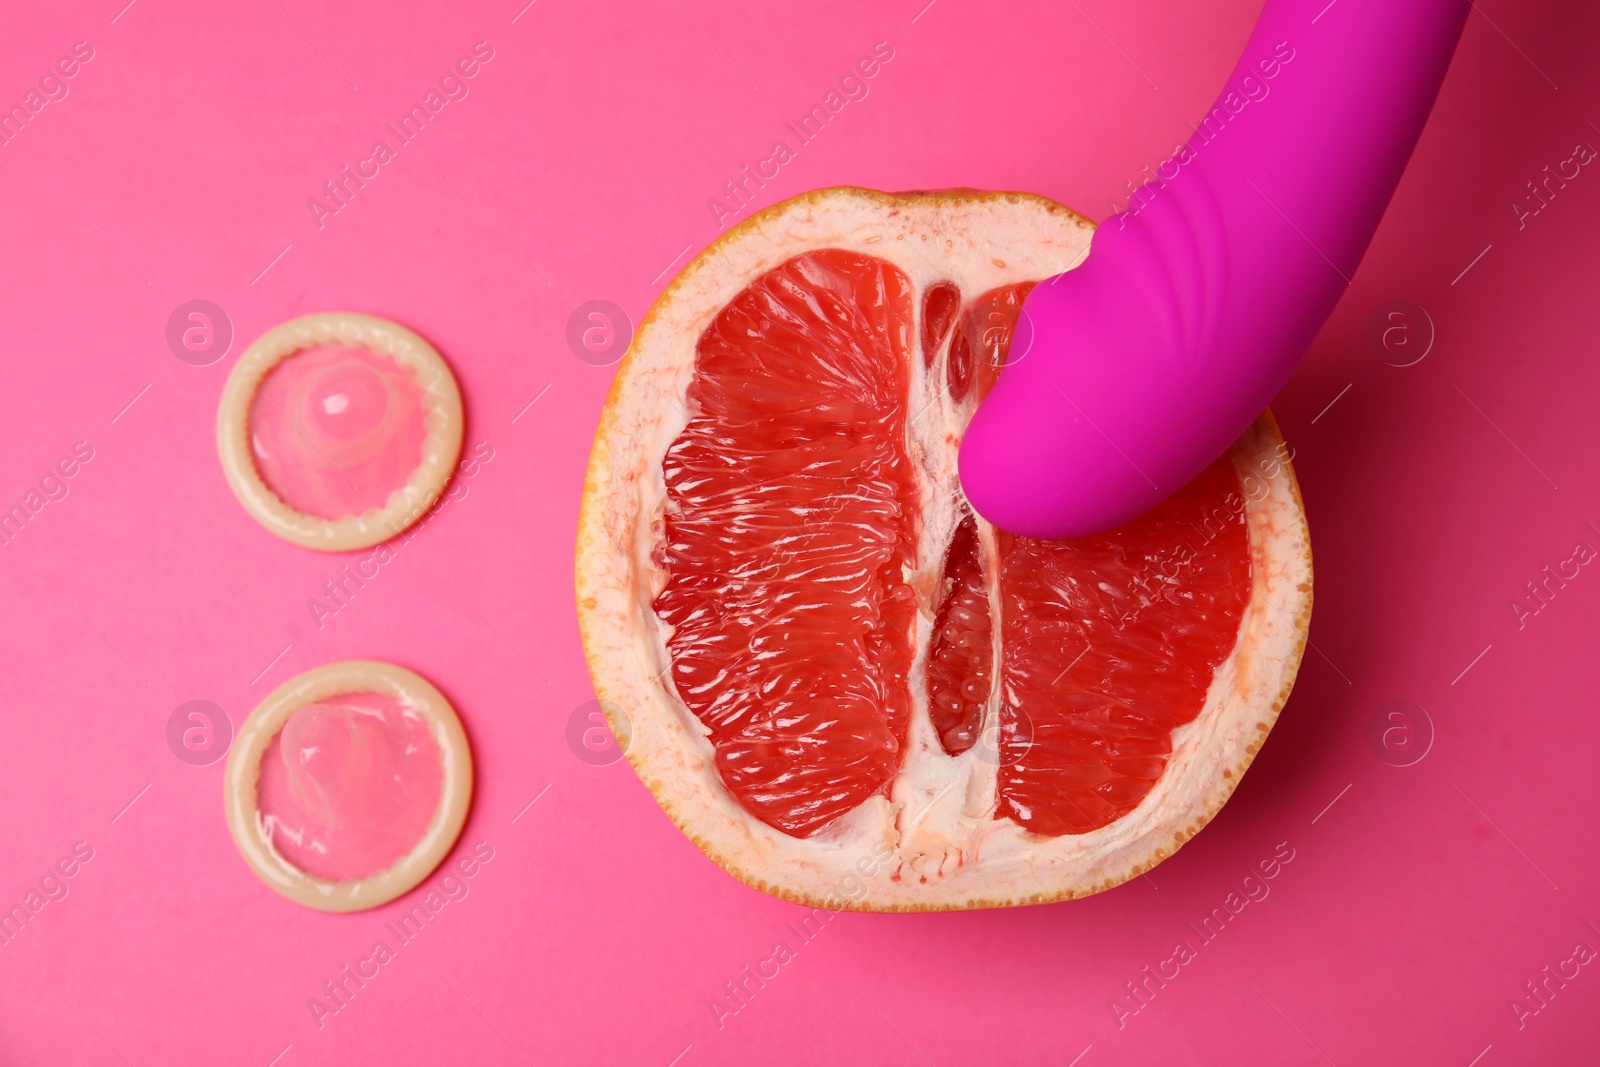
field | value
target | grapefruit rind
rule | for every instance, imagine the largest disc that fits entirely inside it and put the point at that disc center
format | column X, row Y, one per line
column 923, row 847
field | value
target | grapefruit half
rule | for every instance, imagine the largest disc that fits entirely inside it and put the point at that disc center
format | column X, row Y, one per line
column 840, row 683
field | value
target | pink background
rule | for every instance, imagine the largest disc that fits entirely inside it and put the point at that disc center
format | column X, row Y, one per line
column 1418, row 903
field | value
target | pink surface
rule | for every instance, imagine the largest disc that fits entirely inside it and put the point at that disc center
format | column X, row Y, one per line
column 349, row 785
column 335, row 430
column 1408, row 905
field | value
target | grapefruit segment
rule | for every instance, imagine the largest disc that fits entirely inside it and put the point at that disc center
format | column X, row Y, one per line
column 940, row 303
column 961, row 651
column 1111, row 643
column 788, row 533
column 844, row 686
column 979, row 348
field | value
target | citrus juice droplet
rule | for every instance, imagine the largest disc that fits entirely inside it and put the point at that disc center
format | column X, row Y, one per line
column 349, row 785
column 335, row 430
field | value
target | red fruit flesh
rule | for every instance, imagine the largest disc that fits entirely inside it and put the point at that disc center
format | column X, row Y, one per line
column 961, row 656
column 790, row 529
column 940, row 303
column 1110, row 644
column 790, row 523
column 979, row 348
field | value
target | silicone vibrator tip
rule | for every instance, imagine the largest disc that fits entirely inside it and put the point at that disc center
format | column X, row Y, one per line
column 1136, row 370
column 1033, row 461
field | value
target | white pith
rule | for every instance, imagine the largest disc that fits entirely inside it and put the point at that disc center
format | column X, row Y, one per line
column 936, row 827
